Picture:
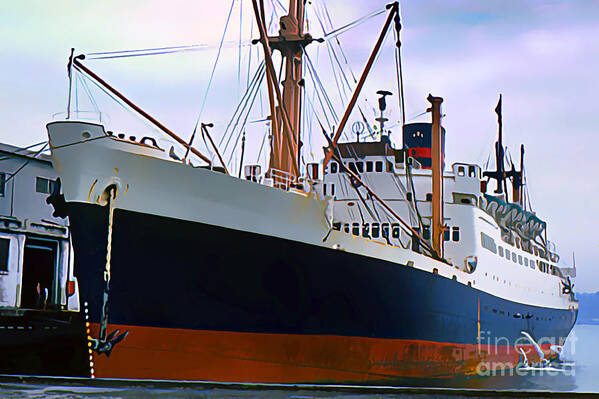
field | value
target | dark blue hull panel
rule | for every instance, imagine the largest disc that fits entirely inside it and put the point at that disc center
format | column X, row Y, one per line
column 170, row 273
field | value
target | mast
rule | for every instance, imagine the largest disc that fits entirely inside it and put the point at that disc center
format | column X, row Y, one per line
column 286, row 116
column 517, row 177
column 523, row 197
column 499, row 173
column 437, row 175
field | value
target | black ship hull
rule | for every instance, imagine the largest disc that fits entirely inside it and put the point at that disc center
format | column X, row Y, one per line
column 204, row 302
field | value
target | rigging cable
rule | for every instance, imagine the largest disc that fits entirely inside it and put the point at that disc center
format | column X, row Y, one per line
column 316, row 79
column 215, row 63
column 241, row 108
column 20, row 150
column 326, row 10
column 26, row 163
column 353, row 24
column 253, row 95
column 80, row 76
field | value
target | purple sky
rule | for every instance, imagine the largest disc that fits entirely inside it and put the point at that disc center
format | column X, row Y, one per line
column 542, row 55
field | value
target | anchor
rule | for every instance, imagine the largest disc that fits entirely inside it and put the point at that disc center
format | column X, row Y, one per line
column 107, row 345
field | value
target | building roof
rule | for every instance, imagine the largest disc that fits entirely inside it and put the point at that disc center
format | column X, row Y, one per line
column 7, row 149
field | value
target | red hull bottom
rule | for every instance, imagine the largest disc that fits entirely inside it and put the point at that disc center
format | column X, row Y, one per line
column 195, row 355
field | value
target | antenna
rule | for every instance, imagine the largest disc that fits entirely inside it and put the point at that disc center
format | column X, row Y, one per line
column 382, row 107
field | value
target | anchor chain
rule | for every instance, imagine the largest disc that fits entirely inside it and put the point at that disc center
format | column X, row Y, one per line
column 105, row 343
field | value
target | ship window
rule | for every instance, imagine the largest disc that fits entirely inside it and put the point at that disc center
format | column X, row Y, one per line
column 333, row 167
column 429, row 197
column 471, row 171
column 385, row 230
column 532, row 264
column 507, row 254
column 446, row 234
column 324, row 189
column 355, row 230
column 375, row 230
column 346, row 228
column 461, row 171
column 514, row 257
column 488, row 242
column 2, row 183
column 332, row 189
column 455, row 233
column 409, row 196
column 500, row 251
column 365, row 230
column 337, row 226
column 352, row 167
column 426, row 232
column 45, row 186
column 395, row 230
column 520, row 259
column 4, row 246
column 536, row 251
column 360, row 166
column 389, row 167
column 525, row 261
column 369, row 166
column 378, row 166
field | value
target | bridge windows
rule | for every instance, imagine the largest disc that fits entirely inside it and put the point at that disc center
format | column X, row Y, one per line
column 346, row 228
column 385, row 230
column 378, row 166
column 446, row 234
column 520, row 259
column 514, row 257
column 365, row 230
column 525, row 261
column 355, row 229
column 375, row 230
column 488, row 242
column 334, row 167
column 369, row 166
column 395, row 230
column 500, row 251
column 507, row 254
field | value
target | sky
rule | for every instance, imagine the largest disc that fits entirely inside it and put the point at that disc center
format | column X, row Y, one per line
column 543, row 56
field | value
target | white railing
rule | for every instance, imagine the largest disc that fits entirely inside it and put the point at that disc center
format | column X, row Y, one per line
column 281, row 179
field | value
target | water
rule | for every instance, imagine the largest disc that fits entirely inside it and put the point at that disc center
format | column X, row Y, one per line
column 582, row 348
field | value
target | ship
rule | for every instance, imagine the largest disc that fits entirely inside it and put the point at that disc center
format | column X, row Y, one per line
column 375, row 265
column 42, row 331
